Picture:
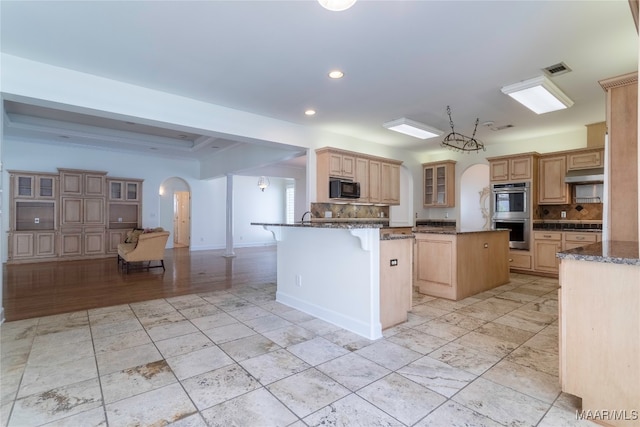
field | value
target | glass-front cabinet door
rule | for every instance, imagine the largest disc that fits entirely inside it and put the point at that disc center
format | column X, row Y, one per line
column 124, row 191
column 115, row 190
column 24, row 186
column 46, row 187
column 133, row 190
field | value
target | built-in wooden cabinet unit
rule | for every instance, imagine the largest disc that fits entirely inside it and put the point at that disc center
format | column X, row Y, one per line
column 69, row 215
column 439, row 188
column 622, row 124
column 379, row 177
column 511, row 168
column 552, row 190
column 585, row 159
column 546, row 244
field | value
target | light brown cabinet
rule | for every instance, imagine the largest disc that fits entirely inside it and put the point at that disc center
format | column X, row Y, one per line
column 546, row 244
column 585, row 159
column 439, row 184
column 520, row 260
column 379, row 178
column 65, row 215
column 575, row 239
column 512, row 168
column 455, row 266
column 396, row 273
column 552, row 190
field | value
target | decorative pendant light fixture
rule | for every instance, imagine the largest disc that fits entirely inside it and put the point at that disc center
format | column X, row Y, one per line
column 458, row 142
column 336, row 5
column 263, row 182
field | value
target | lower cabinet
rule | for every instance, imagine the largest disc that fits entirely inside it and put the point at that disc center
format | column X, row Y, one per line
column 546, row 245
column 520, row 260
column 82, row 242
column 33, row 244
column 114, row 238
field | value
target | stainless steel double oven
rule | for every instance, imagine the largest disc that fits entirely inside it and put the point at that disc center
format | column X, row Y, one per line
column 511, row 209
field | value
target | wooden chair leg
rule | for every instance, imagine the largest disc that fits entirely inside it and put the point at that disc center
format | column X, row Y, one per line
column 162, row 261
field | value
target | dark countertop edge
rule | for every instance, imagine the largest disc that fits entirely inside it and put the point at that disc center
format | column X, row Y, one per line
column 396, row 237
column 619, row 253
column 345, row 225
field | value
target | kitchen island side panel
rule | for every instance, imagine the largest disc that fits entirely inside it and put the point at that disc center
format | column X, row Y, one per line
column 332, row 274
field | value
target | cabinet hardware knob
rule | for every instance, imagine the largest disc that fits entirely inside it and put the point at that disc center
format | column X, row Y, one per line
column 510, row 259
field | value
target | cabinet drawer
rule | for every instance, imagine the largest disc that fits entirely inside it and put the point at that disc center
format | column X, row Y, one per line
column 517, row 260
column 581, row 237
column 547, row 235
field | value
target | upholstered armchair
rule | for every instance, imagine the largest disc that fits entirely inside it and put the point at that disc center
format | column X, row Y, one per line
column 143, row 247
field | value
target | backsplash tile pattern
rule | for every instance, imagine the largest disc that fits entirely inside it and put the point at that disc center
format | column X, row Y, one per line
column 341, row 210
column 575, row 212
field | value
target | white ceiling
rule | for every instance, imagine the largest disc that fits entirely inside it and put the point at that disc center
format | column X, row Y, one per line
column 400, row 58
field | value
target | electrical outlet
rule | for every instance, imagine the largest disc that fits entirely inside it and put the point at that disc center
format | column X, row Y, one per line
column 393, row 262
column 563, row 214
column 299, row 280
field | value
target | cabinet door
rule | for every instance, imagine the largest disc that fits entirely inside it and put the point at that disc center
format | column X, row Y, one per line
column 132, row 193
column 551, row 186
column 24, row 186
column 441, row 185
column 545, row 255
column 71, row 211
column 390, row 183
column 429, row 185
column 586, row 160
column 116, row 190
column 45, row 245
column 434, row 266
column 520, row 168
column 93, row 211
column 374, row 181
column 22, row 245
column 93, row 242
column 71, row 183
column 362, row 176
column 115, row 237
column 71, row 243
column 94, row 185
column 45, row 188
column 499, row 170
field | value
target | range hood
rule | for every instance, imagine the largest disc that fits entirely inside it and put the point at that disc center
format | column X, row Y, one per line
column 582, row 176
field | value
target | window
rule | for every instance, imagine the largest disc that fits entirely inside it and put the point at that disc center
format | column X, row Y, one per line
column 290, row 202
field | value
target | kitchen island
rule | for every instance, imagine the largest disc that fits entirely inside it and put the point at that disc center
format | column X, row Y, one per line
column 456, row 264
column 599, row 300
column 333, row 271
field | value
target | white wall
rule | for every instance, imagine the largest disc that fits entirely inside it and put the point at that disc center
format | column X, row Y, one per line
column 208, row 210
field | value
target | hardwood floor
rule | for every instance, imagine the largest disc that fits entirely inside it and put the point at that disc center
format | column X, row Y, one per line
column 42, row 289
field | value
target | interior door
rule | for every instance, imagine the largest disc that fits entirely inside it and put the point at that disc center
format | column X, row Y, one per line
column 182, row 218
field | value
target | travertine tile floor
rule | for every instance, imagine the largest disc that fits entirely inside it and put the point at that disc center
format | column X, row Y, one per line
column 238, row 357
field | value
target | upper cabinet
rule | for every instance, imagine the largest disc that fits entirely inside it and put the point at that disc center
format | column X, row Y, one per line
column 512, row 168
column 552, row 190
column 585, row 159
column 379, row 177
column 82, row 183
column 120, row 190
column 439, row 184
column 34, row 186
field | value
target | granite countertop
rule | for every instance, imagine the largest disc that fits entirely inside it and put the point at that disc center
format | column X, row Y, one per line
column 326, row 224
column 614, row 252
column 560, row 225
column 396, row 236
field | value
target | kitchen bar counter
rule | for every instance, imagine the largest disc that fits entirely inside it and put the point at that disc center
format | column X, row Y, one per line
column 599, row 300
column 345, row 223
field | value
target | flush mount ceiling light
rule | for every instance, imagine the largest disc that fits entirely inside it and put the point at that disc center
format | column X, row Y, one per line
column 336, row 74
column 538, row 94
column 336, row 5
column 412, row 128
column 310, row 112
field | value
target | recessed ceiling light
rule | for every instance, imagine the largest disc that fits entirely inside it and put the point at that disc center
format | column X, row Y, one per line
column 336, row 74
column 310, row 112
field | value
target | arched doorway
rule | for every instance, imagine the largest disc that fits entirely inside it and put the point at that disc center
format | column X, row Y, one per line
column 175, row 210
column 474, row 198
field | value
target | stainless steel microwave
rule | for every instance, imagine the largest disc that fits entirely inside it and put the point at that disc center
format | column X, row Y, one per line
column 343, row 189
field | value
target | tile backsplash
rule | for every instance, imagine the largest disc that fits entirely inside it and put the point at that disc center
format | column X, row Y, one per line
column 338, row 210
column 575, row 211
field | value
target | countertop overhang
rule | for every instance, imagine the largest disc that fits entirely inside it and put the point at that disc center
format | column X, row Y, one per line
column 613, row 252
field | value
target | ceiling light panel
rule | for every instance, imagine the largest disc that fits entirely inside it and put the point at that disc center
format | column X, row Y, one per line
column 412, row 128
column 538, row 94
